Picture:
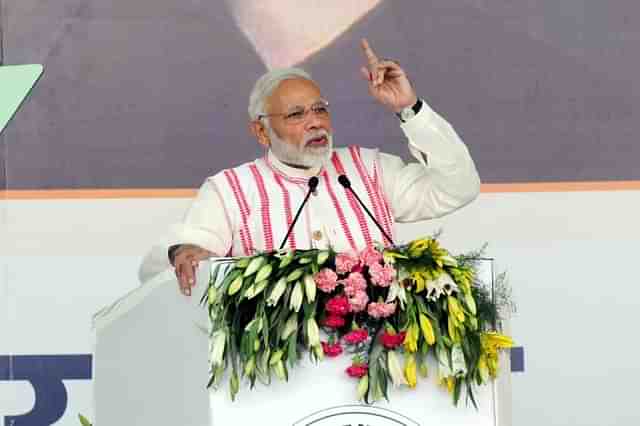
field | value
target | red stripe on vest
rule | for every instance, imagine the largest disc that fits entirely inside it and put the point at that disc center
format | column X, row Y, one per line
column 353, row 202
column 243, row 206
column 265, row 207
column 339, row 212
column 386, row 205
column 287, row 209
column 373, row 195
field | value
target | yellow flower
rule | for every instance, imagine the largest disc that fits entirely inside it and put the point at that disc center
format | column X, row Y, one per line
column 417, row 247
column 411, row 338
column 410, row 370
column 424, row 370
column 363, row 386
column 427, row 330
column 491, row 342
column 448, row 381
column 483, row 368
column 451, row 383
column 495, row 340
column 455, row 309
column 453, row 331
column 419, row 280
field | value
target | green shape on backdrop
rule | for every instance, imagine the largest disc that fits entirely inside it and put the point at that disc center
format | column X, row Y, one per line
column 16, row 82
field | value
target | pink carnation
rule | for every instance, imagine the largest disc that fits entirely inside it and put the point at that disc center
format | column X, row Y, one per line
column 381, row 310
column 333, row 321
column 345, row 263
column 382, row 275
column 326, row 280
column 370, row 256
column 331, row 350
column 356, row 336
column 338, row 305
column 354, row 283
column 358, row 301
column 357, row 370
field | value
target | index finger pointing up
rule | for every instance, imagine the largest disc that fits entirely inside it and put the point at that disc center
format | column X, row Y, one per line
column 371, row 57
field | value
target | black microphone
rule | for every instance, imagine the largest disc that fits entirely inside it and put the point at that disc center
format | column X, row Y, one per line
column 344, row 181
column 313, row 183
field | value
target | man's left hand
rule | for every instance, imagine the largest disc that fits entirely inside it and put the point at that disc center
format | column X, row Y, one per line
column 388, row 83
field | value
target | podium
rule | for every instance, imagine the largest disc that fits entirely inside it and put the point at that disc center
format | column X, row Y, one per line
column 151, row 369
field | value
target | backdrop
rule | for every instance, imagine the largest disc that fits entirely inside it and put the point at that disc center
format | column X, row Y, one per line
column 153, row 94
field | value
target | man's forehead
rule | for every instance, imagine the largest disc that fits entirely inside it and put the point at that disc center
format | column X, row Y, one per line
column 294, row 92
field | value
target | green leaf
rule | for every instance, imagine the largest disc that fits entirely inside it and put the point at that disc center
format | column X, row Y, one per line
column 292, row 349
column 470, row 394
column 383, row 382
column 83, row 420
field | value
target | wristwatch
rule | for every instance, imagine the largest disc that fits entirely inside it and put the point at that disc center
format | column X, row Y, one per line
column 409, row 112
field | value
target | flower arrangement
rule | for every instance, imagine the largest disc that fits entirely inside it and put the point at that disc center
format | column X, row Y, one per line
column 390, row 308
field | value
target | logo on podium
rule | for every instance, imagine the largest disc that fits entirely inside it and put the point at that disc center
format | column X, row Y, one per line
column 356, row 415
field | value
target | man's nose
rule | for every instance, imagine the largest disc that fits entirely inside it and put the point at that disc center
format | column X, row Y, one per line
column 314, row 121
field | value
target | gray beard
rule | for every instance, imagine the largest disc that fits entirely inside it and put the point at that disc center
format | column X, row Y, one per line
column 300, row 157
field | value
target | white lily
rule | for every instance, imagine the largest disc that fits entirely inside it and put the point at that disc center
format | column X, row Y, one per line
column 395, row 369
column 444, row 367
column 310, row 288
column 290, row 326
column 459, row 366
column 216, row 347
column 313, row 332
column 277, row 292
column 447, row 284
column 296, row 297
column 394, row 290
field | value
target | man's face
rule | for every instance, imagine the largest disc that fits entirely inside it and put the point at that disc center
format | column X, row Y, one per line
column 299, row 134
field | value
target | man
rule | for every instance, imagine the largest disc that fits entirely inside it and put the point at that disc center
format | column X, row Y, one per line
column 249, row 208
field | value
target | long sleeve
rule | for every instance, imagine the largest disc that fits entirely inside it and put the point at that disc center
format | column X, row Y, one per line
column 206, row 224
column 443, row 179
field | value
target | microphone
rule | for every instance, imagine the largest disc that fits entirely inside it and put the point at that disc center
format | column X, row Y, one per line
column 313, row 183
column 344, row 181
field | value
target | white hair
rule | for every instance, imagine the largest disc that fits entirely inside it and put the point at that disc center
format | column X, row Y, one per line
column 267, row 84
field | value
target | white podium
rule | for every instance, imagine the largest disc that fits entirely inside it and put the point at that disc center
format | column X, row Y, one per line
column 150, row 369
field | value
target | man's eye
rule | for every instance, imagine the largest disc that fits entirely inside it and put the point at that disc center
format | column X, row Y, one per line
column 320, row 109
column 294, row 115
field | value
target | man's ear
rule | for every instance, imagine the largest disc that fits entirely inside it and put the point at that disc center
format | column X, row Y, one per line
column 259, row 130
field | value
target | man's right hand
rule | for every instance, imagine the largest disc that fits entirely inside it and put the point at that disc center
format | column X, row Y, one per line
column 186, row 259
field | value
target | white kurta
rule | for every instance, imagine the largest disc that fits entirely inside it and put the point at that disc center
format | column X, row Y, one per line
column 249, row 208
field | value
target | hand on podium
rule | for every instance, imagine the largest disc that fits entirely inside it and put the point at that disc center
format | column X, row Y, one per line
column 185, row 260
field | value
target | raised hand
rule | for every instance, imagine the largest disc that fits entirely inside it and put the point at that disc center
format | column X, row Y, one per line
column 387, row 81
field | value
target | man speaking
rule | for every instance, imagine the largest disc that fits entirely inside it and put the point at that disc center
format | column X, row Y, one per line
column 304, row 193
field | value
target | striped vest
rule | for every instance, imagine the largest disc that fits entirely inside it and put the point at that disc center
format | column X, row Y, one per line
column 261, row 201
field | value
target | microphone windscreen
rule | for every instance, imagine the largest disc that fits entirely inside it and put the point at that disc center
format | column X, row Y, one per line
column 313, row 182
column 344, row 181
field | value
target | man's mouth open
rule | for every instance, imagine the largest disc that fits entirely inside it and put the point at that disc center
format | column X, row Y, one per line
column 318, row 142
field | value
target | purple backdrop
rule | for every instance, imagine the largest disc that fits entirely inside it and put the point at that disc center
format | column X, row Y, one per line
column 148, row 93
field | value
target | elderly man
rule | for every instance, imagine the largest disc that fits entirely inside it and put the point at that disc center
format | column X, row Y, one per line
column 249, row 208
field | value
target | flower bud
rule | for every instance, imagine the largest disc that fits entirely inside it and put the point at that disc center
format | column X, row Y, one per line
column 363, row 386
column 310, row 288
column 296, row 297
column 290, row 326
column 313, row 333
column 277, row 292
column 254, row 265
